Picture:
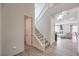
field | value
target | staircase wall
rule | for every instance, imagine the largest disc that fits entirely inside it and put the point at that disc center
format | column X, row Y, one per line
column 38, row 7
column 44, row 26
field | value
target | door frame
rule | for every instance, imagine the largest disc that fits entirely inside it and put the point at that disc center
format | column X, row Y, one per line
column 25, row 30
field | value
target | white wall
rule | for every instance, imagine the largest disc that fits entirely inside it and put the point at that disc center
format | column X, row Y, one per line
column 44, row 26
column 0, row 30
column 38, row 8
column 52, row 31
column 13, row 27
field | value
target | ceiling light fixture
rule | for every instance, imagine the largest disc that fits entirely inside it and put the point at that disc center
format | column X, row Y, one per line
column 61, row 15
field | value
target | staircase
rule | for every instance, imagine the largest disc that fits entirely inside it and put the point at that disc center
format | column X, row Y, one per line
column 46, row 44
column 40, row 36
column 40, row 40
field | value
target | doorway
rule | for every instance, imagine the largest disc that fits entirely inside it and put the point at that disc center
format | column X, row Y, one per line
column 27, row 31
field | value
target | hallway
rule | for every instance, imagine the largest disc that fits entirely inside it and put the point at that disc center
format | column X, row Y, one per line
column 63, row 47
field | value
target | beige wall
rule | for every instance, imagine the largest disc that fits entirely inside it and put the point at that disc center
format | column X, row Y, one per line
column 13, row 27
column 0, row 29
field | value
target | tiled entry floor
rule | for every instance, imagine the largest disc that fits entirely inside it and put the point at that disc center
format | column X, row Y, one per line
column 63, row 47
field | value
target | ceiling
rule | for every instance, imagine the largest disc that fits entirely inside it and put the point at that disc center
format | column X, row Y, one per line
column 59, row 7
column 66, row 15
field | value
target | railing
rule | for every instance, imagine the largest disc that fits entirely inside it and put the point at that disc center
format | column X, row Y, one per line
column 35, row 37
column 41, row 37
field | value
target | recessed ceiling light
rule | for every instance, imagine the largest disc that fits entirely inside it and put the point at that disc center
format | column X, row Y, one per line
column 59, row 17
